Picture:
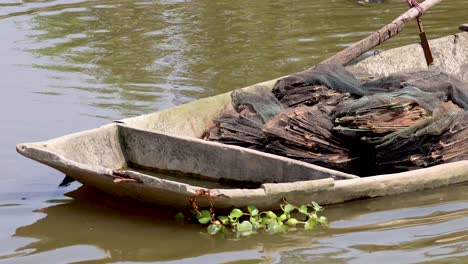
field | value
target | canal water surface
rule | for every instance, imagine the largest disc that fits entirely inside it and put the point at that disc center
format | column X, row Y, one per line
column 71, row 65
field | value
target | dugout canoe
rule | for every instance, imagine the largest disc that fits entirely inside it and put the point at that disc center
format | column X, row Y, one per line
column 160, row 159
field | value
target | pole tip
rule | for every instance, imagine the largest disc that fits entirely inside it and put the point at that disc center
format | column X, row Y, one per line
column 464, row 27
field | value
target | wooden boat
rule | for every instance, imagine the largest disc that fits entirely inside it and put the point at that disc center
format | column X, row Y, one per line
column 159, row 158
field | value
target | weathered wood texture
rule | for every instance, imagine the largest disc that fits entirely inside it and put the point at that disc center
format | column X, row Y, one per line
column 379, row 36
column 464, row 27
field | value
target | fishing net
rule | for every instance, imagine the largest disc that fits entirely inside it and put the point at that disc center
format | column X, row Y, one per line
column 243, row 126
column 327, row 117
column 306, row 133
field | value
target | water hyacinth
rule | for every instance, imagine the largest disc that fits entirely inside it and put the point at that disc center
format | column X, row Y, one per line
column 252, row 220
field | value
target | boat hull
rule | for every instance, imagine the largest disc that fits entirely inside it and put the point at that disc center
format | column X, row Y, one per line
column 168, row 141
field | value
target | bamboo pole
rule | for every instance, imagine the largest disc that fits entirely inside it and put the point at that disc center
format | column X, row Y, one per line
column 379, row 36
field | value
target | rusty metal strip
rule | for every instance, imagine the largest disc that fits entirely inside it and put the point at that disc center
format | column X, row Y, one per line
column 425, row 44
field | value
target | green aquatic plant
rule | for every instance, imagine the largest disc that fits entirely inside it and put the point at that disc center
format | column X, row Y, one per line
column 252, row 220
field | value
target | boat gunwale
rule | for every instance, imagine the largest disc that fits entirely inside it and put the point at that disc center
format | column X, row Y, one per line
column 323, row 192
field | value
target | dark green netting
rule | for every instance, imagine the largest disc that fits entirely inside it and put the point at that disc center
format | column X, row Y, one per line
column 243, row 126
column 325, row 116
column 264, row 104
column 432, row 81
column 331, row 76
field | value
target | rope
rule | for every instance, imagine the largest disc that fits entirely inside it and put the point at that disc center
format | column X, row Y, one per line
column 414, row 3
column 207, row 195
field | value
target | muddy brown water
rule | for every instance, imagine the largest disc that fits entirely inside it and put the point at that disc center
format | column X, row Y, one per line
column 71, row 65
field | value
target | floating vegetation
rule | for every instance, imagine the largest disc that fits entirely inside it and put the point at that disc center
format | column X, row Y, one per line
column 250, row 221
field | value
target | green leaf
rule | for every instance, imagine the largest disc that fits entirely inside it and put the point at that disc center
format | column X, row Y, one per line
column 313, row 216
column 256, row 226
column 253, row 220
column 236, row 213
column 282, row 206
column 274, row 226
column 288, row 208
column 213, row 229
column 310, row 224
column 282, row 217
column 322, row 220
column 292, row 222
column 253, row 211
column 233, row 220
column 264, row 220
column 281, row 229
column 303, row 209
column 317, row 207
column 179, row 217
column 223, row 219
column 204, row 217
column 270, row 214
column 272, row 223
column 244, row 226
column 222, row 229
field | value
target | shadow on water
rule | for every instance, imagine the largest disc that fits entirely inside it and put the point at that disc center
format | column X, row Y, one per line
column 359, row 232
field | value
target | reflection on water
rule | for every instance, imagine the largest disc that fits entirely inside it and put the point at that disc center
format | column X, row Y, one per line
column 409, row 228
column 74, row 64
column 137, row 56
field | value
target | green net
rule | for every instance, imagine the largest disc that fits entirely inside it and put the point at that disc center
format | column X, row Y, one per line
column 327, row 117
